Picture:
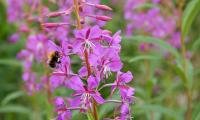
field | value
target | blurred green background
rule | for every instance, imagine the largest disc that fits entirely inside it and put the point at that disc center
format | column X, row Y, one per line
column 161, row 97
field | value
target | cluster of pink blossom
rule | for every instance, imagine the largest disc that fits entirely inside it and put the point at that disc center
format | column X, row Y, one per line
column 25, row 14
column 55, row 45
column 154, row 21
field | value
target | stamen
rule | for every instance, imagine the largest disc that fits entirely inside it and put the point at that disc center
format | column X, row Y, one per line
column 88, row 44
column 107, row 71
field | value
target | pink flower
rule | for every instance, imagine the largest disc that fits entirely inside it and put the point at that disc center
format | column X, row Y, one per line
column 83, row 93
column 36, row 44
column 63, row 114
column 87, row 38
column 106, row 60
column 14, row 38
column 120, row 82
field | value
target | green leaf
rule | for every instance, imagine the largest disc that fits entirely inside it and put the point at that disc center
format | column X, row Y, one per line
column 196, row 45
column 143, row 57
column 168, row 91
column 159, row 42
column 178, row 68
column 89, row 116
column 105, row 109
column 140, row 92
column 187, row 77
column 14, row 109
column 12, row 96
column 198, row 117
column 146, row 108
column 11, row 62
column 196, row 112
column 191, row 11
column 190, row 74
column 146, row 5
column 197, row 72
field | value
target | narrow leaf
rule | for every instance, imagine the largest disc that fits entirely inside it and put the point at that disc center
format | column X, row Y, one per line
column 11, row 62
column 14, row 109
column 159, row 42
column 159, row 109
column 143, row 57
column 89, row 116
column 146, row 5
column 12, row 96
column 196, row 45
column 196, row 112
column 191, row 11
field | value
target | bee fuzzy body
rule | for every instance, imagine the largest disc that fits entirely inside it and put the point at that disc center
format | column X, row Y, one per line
column 54, row 59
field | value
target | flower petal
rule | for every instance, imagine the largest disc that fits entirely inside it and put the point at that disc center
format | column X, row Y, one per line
column 95, row 33
column 98, row 98
column 115, row 66
column 83, row 71
column 124, row 109
column 75, row 102
column 56, row 81
column 126, row 77
column 74, row 83
column 92, row 82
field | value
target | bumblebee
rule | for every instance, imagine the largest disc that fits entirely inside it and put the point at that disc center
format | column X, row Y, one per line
column 54, row 59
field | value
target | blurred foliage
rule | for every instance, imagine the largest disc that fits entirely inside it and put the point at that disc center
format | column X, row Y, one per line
column 158, row 82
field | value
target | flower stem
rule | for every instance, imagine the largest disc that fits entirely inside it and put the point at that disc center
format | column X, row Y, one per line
column 183, row 51
column 79, row 26
column 95, row 110
column 77, row 14
column 87, row 62
column 183, row 48
column 95, row 115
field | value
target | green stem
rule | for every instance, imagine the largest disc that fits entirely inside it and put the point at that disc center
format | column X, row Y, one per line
column 183, row 51
column 89, row 116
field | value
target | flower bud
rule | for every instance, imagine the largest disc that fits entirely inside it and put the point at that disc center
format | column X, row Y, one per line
column 106, row 32
column 52, row 25
column 103, row 18
column 59, row 13
column 55, row 14
column 103, row 7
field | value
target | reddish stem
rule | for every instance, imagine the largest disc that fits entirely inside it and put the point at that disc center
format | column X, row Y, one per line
column 86, row 56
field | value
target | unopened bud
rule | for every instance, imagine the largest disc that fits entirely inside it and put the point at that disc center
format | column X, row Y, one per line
column 53, row 25
column 59, row 13
column 106, row 32
column 103, row 7
column 55, row 14
column 103, row 18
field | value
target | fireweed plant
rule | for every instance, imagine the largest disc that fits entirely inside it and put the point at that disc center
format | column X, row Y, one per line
column 99, row 52
column 78, row 34
column 26, row 15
